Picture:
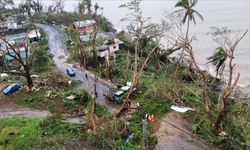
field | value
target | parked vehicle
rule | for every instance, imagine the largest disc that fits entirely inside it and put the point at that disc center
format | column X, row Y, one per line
column 116, row 97
column 12, row 88
column 70, row 72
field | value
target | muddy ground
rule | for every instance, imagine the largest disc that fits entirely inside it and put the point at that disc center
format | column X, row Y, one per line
column 175, row 134
column 9, row 109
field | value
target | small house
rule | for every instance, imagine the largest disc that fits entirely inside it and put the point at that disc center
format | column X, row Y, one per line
column 85, row 27
column 109, row 47
column 99, row 36
column 16, row 38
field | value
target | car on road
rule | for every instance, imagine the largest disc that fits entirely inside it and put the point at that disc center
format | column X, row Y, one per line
column 12, row 88
column 70, row 72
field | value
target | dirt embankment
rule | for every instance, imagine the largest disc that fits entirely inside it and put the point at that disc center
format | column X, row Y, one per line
column 9, row 109
column 175, row 134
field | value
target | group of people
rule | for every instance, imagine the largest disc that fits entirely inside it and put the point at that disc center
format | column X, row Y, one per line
column 87, row 78
column 96, row 80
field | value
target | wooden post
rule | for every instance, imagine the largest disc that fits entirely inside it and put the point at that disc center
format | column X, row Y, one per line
column 144, row 126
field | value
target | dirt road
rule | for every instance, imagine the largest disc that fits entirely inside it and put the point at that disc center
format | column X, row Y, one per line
column 175, row 134
column 57, row 40
column 9, row 109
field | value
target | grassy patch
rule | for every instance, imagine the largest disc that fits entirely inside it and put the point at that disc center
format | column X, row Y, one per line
column 51, row 92
column 32, row 100
column 57, row 101
column 19, row 133
column 26, row 133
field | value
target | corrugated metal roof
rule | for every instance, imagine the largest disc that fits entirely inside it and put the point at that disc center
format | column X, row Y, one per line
column 84, row 23
column 99, row 36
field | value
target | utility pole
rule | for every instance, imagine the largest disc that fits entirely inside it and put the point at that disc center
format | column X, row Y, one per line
column 144, row 126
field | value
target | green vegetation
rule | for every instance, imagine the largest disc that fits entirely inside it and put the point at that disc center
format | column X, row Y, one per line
column 27, row 133
column 50, row 93
column 42, row 60
column 236, row 128
column 158, row 83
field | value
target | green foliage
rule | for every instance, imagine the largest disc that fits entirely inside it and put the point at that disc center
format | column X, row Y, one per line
column 53, row 125
column 110, row 136
column 235, row 127
column 104, row 25
column 41, row 60
column 101, row 110
column 219, row 57
column 58, row 18
column 24, row 133
column 192, row 96
column 189, row 12
column 19, row 133
column 57, row 101
column 32, row 100
column 156, row 107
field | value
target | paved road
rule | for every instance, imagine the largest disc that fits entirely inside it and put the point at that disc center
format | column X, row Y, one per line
column 57, row 47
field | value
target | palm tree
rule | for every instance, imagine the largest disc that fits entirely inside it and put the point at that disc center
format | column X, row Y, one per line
column 88, row 5
column 189, row 13
column 218, row 59
column 81, row 6
column 96, row 6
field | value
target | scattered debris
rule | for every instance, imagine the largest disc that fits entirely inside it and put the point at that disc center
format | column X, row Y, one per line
column 34, row 88
column 2, row 86
column 125, row 88
column 181, row 109
column 129, row 84
column 151, row 118
column 72, row 43
column 12, row 70
column 223, row 133
column 61, row 57
column 75, row 120
column 34, row 76
column 129, row 137
column 69, row 82
column 4, row 75
column 48, row 93
column 71, row 97
column 63, row 27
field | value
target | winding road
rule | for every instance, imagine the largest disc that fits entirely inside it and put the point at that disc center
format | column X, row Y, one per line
column 168, row 137
column 57, row 40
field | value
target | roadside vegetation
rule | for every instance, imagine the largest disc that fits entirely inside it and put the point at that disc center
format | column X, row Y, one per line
column 221, row 113
column 28, row 133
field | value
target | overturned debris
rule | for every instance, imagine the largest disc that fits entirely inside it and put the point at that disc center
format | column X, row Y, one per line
column 181, row 109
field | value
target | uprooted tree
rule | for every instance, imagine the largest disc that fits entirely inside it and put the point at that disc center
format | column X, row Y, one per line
column 139, row 28
column 187, row 7
column 59, row 5
column 223, row 57
column 25, row 61
column 227, row 50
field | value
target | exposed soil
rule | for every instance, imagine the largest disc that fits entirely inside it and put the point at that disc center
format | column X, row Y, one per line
column 175, row 134
column 9, row 109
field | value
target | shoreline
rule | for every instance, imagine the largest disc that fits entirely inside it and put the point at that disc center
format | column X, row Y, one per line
column 242, row 87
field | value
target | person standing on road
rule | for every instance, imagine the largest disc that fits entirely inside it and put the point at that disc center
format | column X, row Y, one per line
column 86, row 76
column 96, row 79
column 96, row 95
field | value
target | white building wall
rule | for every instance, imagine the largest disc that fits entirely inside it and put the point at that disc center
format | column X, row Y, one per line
column 114, row 47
